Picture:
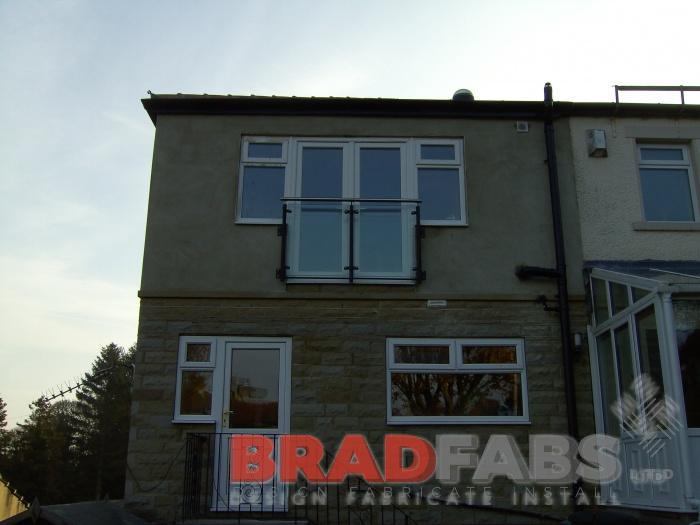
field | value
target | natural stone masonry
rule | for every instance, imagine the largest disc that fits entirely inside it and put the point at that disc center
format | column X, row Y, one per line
column 338, row 374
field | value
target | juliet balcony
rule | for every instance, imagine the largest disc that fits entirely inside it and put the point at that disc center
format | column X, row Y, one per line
column 346, row 240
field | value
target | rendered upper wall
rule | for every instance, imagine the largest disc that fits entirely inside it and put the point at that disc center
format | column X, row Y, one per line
column 609, row 191
column 195, row 247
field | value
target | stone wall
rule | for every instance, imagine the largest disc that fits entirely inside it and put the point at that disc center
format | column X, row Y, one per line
column 338, row 373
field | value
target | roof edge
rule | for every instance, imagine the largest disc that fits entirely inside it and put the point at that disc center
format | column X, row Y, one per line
column 179, row 104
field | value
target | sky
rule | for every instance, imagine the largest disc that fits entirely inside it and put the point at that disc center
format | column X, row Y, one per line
column 76, row 144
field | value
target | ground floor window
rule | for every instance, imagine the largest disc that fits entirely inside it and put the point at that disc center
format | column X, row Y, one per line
column 445, row 381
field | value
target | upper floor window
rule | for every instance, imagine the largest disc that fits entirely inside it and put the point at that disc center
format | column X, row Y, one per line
column 428, row 170
column 667, row 183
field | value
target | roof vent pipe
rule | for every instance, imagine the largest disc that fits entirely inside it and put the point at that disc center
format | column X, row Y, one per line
column 463, row 95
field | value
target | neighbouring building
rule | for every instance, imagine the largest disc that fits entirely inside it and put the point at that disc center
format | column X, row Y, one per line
column 336, row 266
column 636, row 172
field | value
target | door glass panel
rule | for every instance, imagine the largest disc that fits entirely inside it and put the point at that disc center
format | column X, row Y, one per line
column 687, row 319
column 254, row 395
column 600, row 301
column 649, row 351
column 380, row 173
column 618, row 297
column 608, row 383
column 321, row 223
column 380, row 232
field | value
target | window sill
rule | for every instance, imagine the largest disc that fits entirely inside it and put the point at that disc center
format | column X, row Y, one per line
column 179, row 421
column 666, row 226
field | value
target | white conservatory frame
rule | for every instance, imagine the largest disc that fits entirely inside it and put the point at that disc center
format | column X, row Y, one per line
column 660, row 295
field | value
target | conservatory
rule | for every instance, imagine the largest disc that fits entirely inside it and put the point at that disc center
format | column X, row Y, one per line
column 644, row 343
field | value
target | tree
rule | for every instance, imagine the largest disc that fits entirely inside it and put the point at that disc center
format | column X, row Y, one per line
column 3, row 426
column 40, row 458
column 102, row 422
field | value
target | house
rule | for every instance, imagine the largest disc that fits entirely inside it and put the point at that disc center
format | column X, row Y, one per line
column 637, row 194
column 336, row 266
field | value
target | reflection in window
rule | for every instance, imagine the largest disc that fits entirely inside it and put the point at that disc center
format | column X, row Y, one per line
column 433, row 394
column 422, row 354
column 488, row 354
column 254, row 396
column 687, row 318
column 198, row 352
column 196, row 392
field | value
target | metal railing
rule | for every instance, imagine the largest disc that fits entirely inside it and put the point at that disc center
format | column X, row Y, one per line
column 681, row 89
column 208, row 491
column 347, row 240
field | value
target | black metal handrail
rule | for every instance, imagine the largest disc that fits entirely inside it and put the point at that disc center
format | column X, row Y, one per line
column 681, row 89
column 419, row 233
column 207, row 493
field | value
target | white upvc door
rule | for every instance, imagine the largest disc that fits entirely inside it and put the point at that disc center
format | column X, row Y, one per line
column 255, row 400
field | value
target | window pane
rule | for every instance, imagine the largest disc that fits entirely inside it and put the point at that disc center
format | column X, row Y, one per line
column 426, row 394
column 265, row 150
column 254, row 396
column 687, row 318
column 437, row 152
column 662, row 154
column 489, row 354
column 198, row 352
column 618, row 297
column 322, row 172
column 195, row 392
column 608, row 383
column 600, row 301
column 320, row 237
column 649, row 352
column 380, row 173
column 438, row 189
column 380, row 238
column 666, row 194
column 624, row 354
column 422, row 354
column 639, row 293
column 263, row 187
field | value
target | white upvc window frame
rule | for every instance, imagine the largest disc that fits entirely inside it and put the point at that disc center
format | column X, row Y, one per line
column 457, row 163
column 247, row 161
column 456, row 366
column 197, row 366
column 411, row 162
column 660, row 164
